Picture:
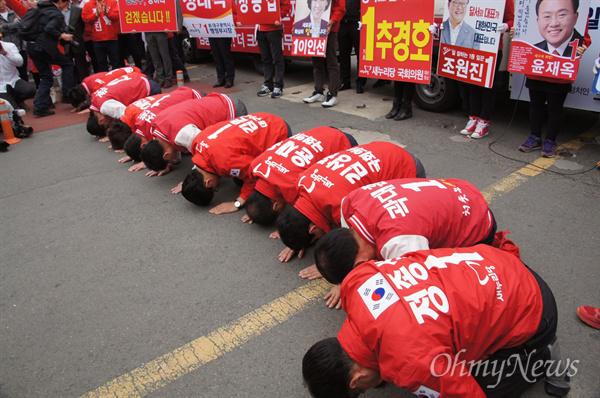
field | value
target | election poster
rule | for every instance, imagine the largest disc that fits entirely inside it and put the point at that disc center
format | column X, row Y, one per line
column 208, row 18
column 581, row 95
column 147, row 16
column 469, row 40
column 252, row 12
column 396, row 41
column 309, row 32
column 546, row 38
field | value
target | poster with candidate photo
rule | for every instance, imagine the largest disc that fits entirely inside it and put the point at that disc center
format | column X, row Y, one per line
column 469, row 40
column 309, row 32
column 581, row 95
column 547, row 34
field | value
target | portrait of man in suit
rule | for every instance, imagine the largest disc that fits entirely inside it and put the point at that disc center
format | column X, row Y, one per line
column 556, row 23
column 314, row 25
column 455, row 30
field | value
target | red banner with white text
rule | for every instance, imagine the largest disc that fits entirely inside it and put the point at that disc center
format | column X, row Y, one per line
column 252, row 12
column 147, row 16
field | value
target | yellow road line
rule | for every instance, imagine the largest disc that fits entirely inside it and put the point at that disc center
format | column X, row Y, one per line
column 189, row 357
column 518, row 177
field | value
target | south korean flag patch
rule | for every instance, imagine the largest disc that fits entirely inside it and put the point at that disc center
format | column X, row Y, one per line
column 377, row 294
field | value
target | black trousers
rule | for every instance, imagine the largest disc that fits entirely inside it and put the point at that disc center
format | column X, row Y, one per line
column 131, row 44
column 404, row 93
column 512, row 382
column 349, row 38
column 271, row 55
column 553, row 95
column 327, row 70
column 107, row 50
column 480, row 101
column 221, row 50
column 89, row 48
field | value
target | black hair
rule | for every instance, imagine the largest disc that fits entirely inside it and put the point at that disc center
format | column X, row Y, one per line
column 335, row 254
column 326, row 370
column 118, row 133
column 310, row 4
column 575, row 4
column 93, row 127
column 152, row 156
column 133, row 147
column 260, row 209
column 293, row 228
column 193, row 189
column 77, row 95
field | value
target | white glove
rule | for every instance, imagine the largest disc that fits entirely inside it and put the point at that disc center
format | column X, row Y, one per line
column 503, row 28
column 596, row 66
column 433, row 28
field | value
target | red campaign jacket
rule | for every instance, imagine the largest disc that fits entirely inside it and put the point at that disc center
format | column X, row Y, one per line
column 406, row 215
column 143, row 122
column 322, row 186
column 112, row 98
column 338, row 10
column 277, row 169
column 190, row 116
column 133, row 110
column 97, row 80
column 228, row 148
column 429, row 306
column 105, row 26
column 285, row 8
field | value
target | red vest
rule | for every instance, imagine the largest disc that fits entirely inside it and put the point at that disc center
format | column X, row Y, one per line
column 322, row 186
column 97, row 80
column 228, row 148
column 401, row 216
column 410, row 315
column 277, row 169
column 112, row 98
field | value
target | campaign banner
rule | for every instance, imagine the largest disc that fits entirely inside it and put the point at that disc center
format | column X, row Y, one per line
column 309, row 32
column 581, row 95
column 395, row 40
column 147, row 16
column 252, row 12
column 208, row 18
column 469, row 40
column 546, row 38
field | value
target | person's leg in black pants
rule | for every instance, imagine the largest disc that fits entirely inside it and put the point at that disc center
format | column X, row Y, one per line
column 22, row 91
column 537, row 115
column 101, row 52
column 225, row 44
column 42, row 100
column 67, row 75
column 219, row 62
column 360, row 81
column 89, row 48
column 397, row 101
column 267, row 62
column 23, row 68
column 407, row 92
column 113, row 54
column 275, row 44
column 346, row 42
column 556, row 103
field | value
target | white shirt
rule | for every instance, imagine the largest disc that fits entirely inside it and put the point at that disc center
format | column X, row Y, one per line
column 454, row 32
column 8, row 65
column 561, row 49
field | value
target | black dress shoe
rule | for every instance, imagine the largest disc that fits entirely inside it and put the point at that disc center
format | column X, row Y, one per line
column 381, row 83
column 360, row 87
column 395, row 110
column 219, row 84
column 404, row 114
column 345, row 86
column 45, row 112
column 228, row 85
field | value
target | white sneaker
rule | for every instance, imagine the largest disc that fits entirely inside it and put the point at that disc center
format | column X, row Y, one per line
column 315, row 97
column 470, row 127
column 482, row 129
column 331, row 101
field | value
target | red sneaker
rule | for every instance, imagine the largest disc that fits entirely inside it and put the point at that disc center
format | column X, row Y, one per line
column 589, row 315
column 470, row 127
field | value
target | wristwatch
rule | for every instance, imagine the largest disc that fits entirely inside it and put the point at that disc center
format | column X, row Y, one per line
column 237, row 204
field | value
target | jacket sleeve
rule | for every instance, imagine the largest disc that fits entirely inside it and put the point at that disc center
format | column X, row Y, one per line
column 17, row 6
column 113, row 11
column 338, row 10
column 88, row 14
column 55, row 26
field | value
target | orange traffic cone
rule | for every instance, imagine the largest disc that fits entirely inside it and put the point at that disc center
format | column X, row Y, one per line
column 7, row 130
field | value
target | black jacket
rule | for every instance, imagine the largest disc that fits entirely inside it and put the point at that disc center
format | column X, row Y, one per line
column 52, row 25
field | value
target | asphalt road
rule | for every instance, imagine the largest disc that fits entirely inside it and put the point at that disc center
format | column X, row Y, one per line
column 102, row 270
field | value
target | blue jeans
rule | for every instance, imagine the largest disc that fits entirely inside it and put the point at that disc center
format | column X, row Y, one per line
column 43, row 61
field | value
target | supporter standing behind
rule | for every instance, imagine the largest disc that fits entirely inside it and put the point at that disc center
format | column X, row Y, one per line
column 564, row 15
column 12, row 88
column 270, row 43
column 221, row 51
column 327, row 69
column 349, row 38
column 103, row 16
column 480, row 100
column 158, row 47
column 44, row 53
column 76, row 50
